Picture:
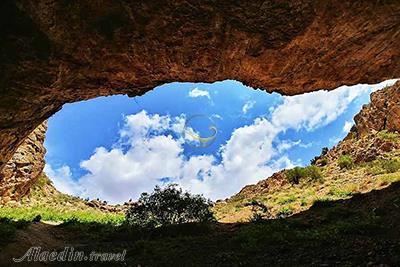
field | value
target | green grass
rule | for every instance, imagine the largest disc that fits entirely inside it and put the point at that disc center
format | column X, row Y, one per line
column 339, row 192
column 389, row 178
column 54, row 214
column 287, row 200
column 285, row 212
column 383, row 166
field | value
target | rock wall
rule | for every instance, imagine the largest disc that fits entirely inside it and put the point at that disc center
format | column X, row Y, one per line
column 56, row 51
column 383, row 113
column 24, row 168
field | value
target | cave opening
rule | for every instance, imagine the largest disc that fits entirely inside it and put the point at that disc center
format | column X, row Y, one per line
column 211, row 139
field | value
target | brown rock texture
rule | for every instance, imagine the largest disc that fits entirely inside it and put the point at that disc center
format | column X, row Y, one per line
column 277, row 180
column 364, row 143
column 383, row 113
column 24, row 168
column 56, row 51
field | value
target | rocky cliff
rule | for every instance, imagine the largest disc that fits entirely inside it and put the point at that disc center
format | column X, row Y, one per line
column 383, row 113
column 56, row 51
column 24, row 168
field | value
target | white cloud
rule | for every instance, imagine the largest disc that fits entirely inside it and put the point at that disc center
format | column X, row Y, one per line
column 317, row 109
column 145, row 155
column 288, row 144
column 62, row 179
column 247, row 106
column 347, row 126
column 334, row 140
column 196, row 92
column 151, row 148
column 313, row 110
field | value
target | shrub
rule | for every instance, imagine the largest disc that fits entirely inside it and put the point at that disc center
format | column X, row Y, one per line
column 313, row 172
column 391, row 166
column 294, row 175
column 256, row 217
column 319, row 159
column 285, row 212
column 339, row 192
column 323, row 162
column 386, row 135
column 287, row 200
column 314, row 160
column 167, row 206
column 345, row 162
column 259, row 211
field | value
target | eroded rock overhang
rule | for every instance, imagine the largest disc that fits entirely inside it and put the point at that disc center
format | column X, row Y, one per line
column 56, row 51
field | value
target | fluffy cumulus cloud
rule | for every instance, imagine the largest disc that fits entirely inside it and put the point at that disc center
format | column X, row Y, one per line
column 150, row 150
column 315, row 109
column 196, row 92
column 62, row 179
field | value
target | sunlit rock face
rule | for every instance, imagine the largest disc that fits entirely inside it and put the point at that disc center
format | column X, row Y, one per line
column 24, row 168
column 383, row 113
column 58, row 51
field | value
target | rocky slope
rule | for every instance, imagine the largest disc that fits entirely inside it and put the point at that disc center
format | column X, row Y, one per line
column 367, row 159
column 24, row 168
column 43, row 193
column 54, row 52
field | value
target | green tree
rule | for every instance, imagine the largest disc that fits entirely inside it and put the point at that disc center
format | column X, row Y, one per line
column 169, row 205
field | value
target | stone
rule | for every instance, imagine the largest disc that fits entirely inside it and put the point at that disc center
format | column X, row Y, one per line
column 383, row 113
column 56, row 52
column 24, row 168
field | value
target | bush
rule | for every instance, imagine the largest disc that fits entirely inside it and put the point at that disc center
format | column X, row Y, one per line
column 345, row 162
column 314, row 160
column 294, row 175
column 256, row 217
column 323, row 162
column 259, row 211
column 313, row 172
column 285, row 212
column 167, row 206
column 319, row 159
column 386, row 135
column 391, row 166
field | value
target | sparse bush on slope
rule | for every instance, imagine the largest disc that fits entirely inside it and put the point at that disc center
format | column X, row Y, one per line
column 391, row 166
column 297, row 173
column 345, row 162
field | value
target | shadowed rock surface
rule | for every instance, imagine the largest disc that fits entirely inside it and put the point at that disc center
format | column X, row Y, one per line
column 24, row 168
column 56, row 51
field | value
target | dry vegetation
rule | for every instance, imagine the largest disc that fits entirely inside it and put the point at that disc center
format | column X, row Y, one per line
column 340, row 178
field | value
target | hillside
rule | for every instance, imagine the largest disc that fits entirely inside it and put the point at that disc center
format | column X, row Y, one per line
column 45, row 200
column 367, row 159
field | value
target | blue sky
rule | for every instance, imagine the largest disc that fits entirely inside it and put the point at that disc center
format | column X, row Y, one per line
column 117, row 147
